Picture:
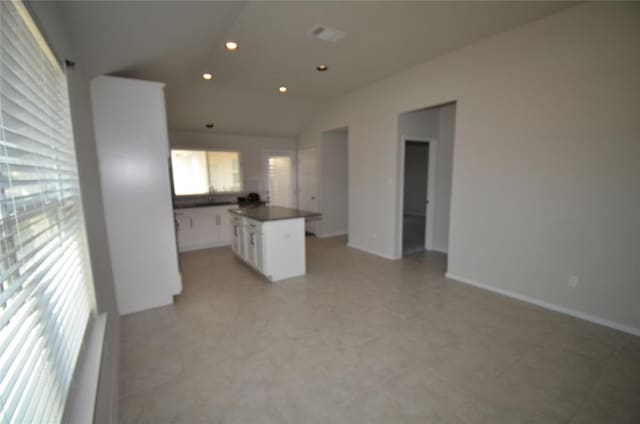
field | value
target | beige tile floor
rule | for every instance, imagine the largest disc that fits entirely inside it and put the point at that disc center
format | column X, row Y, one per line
column 361, row 339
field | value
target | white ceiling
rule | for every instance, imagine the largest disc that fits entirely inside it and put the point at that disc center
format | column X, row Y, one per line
column 176, row 41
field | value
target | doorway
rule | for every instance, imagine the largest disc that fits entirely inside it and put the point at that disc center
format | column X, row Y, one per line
column 280, row 177
column 334, row 174
column 425, row 164
column 418, row 167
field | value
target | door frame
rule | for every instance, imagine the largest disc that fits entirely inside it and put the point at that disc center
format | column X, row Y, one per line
column 431, row 190
column 264, row 186
column 311, row 226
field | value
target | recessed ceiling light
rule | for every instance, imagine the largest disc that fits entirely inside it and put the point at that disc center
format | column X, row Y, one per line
column 282, row 89
column 231, row 46
column 209, row 125
column 322, row 67
column 207, row 76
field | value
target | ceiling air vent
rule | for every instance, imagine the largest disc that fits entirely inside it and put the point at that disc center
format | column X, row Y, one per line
column 325, row 33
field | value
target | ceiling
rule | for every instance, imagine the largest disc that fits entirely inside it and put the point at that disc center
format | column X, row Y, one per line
column 176, row 41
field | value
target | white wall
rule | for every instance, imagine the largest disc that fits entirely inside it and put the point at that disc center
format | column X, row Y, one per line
column 419, row 123
column 334, row 183
column 50, row 21
column 250, row 148
column 444, row 170
column 545, row 176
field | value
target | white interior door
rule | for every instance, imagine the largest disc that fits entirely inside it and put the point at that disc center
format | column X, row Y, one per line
column 307, row 184
column 280, row 177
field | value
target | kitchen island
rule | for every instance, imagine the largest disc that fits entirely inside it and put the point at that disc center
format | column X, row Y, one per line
column 270, row 239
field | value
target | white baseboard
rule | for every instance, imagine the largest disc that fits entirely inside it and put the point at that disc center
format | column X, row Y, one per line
column 548, row 305
column 439, row 250
column 370, row 251
column 336, row 234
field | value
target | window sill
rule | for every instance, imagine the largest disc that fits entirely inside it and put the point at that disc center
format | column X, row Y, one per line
column 82, row 397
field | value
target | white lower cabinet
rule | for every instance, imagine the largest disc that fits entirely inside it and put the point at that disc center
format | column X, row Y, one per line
column 223, row 224
column 237, row 235
column 184, row 229
column 203, row 227
column 276, row 249
column 253, row 231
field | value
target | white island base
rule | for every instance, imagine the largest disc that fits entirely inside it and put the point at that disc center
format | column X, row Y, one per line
column 275, row 249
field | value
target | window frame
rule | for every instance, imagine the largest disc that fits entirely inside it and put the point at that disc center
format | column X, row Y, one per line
column 84, row 280
column 211, row 192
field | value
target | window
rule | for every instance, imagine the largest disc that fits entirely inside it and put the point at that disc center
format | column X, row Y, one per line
column 224, row 172
column 203, row 171
column 189, row 170
column 46, row 297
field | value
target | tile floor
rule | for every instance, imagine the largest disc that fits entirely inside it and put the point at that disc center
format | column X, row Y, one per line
column 362, row 339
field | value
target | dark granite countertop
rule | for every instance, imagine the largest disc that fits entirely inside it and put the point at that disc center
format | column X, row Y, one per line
column 273, row 213
column 202, row 205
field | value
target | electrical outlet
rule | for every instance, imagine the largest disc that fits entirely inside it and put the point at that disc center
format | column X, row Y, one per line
column 573, row 281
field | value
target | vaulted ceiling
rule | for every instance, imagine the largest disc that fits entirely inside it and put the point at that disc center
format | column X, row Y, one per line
column 176, row 41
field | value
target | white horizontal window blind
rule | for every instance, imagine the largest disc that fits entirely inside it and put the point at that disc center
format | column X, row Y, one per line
column 46, row 296
column 189, row 169
column 224, row 172
column 205, row 171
